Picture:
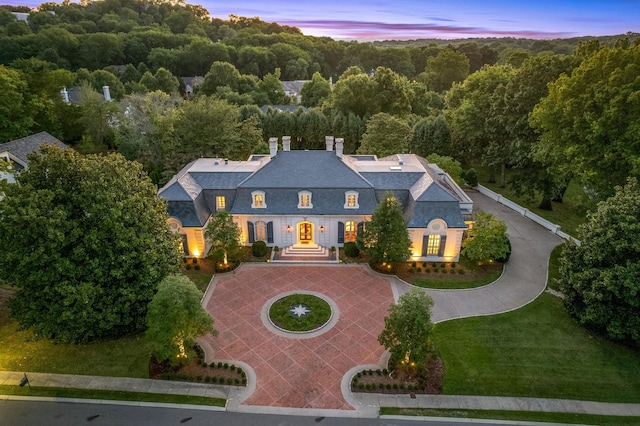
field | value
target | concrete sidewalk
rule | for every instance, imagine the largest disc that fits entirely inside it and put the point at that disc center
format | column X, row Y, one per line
column 366, row 404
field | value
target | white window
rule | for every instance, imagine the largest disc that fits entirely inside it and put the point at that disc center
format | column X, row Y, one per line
column 261, row 231
column 349, row 231
column 351, row 200
column 304, row 200
column 221, row 202
column 433, row 245
column 258, row 200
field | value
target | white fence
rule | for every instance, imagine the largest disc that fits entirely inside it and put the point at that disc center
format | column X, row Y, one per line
column 554, row 228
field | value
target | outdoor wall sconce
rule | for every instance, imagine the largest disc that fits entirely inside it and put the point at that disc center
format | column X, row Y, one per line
column 321, row 228
column 288, row 228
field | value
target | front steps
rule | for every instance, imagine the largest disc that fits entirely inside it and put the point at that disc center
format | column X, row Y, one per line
column 305, row 253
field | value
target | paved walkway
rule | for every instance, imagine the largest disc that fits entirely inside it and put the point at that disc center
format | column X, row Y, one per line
column 280, row 368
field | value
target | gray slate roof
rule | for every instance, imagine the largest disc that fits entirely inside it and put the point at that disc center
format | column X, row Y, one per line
column 305, row 170
column 21, row 148
column 191, row 193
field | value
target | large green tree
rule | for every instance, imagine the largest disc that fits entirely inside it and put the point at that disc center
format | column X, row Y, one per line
column 85, row 240
column 385, row 135
column 408, row 329
column 315, row 91
column 175, row 319
column 476, row 113
column 601, row 277
column 385, row 238
column 447, row 67
column 16, row 108
column 589, row 121
column 527, row 86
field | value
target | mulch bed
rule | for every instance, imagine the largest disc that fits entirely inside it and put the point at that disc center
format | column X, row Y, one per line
column 400, row 382
column 404, row 271
column 197, row 371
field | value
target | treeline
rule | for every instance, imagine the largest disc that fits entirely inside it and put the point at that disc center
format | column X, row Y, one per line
column 549, row 111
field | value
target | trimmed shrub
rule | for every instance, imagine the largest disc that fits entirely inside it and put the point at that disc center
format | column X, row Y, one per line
column 411, row 270
column 419, row 269
column 413, row 263
column 461, row 271
column 351, row 250
column 259, row 249
column 428, row 270
column 506, row 257
column 470, row 177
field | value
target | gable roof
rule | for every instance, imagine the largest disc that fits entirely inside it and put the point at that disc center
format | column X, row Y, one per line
column 21, row 148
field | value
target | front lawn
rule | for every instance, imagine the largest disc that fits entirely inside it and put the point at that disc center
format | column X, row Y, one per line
column 125, row 357
column 537, row 351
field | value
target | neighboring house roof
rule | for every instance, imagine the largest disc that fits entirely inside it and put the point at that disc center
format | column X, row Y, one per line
column 19, row 149
column 282, row 108
column 424, row 191
column 293, row 87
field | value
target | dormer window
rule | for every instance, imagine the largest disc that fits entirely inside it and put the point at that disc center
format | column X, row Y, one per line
column 221, row 202
column 304, row 200
column 351, row 200
column 258, row 200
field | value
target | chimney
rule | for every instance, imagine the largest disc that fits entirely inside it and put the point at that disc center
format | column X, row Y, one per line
column 339, row 147
column 107, row 94
column 286, row 143
column 328, row 140
column 65, row 95
column 273, row 147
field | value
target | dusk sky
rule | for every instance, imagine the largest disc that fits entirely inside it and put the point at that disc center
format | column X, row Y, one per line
column 410, row 19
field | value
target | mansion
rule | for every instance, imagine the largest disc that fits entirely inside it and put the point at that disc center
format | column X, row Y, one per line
column 305, row 198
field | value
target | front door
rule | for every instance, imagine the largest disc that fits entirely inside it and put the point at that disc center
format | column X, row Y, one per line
column 305, row 232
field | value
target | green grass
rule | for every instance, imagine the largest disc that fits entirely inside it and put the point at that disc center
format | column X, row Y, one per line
column 200, row 278
column 110, row 395
column 280, row 314
column 536, row 351
column 125, row 357
column 554, row 265
column 569, row 214
column 527, row 416
column 450, row 284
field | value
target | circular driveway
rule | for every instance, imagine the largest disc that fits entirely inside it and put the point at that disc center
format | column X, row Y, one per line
column 297, row 371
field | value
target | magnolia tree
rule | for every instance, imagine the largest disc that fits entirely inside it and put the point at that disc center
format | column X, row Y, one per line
column 601, row 277
column 85, row 240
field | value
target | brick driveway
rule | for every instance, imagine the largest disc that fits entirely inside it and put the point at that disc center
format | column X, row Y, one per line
column 291, row 372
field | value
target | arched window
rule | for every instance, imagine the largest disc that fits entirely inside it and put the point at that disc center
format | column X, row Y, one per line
column 351, row 200
column 258, row 200
column 304, row 200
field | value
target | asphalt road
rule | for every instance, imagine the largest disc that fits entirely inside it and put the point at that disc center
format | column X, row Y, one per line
column 72, row 414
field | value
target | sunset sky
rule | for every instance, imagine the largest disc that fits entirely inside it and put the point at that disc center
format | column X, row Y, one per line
column 410, row 19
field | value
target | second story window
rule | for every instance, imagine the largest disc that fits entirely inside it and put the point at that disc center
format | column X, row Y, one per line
column 258, row 200
column 351, row 200
column 304, row 200
column 221, row 202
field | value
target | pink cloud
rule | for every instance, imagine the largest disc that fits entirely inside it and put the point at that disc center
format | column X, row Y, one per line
column 381, row 30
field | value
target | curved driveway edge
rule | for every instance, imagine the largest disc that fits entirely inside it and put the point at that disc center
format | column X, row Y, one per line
column 524, row 277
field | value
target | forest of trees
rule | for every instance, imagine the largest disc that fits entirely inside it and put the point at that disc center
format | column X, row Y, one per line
column 548, row 111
